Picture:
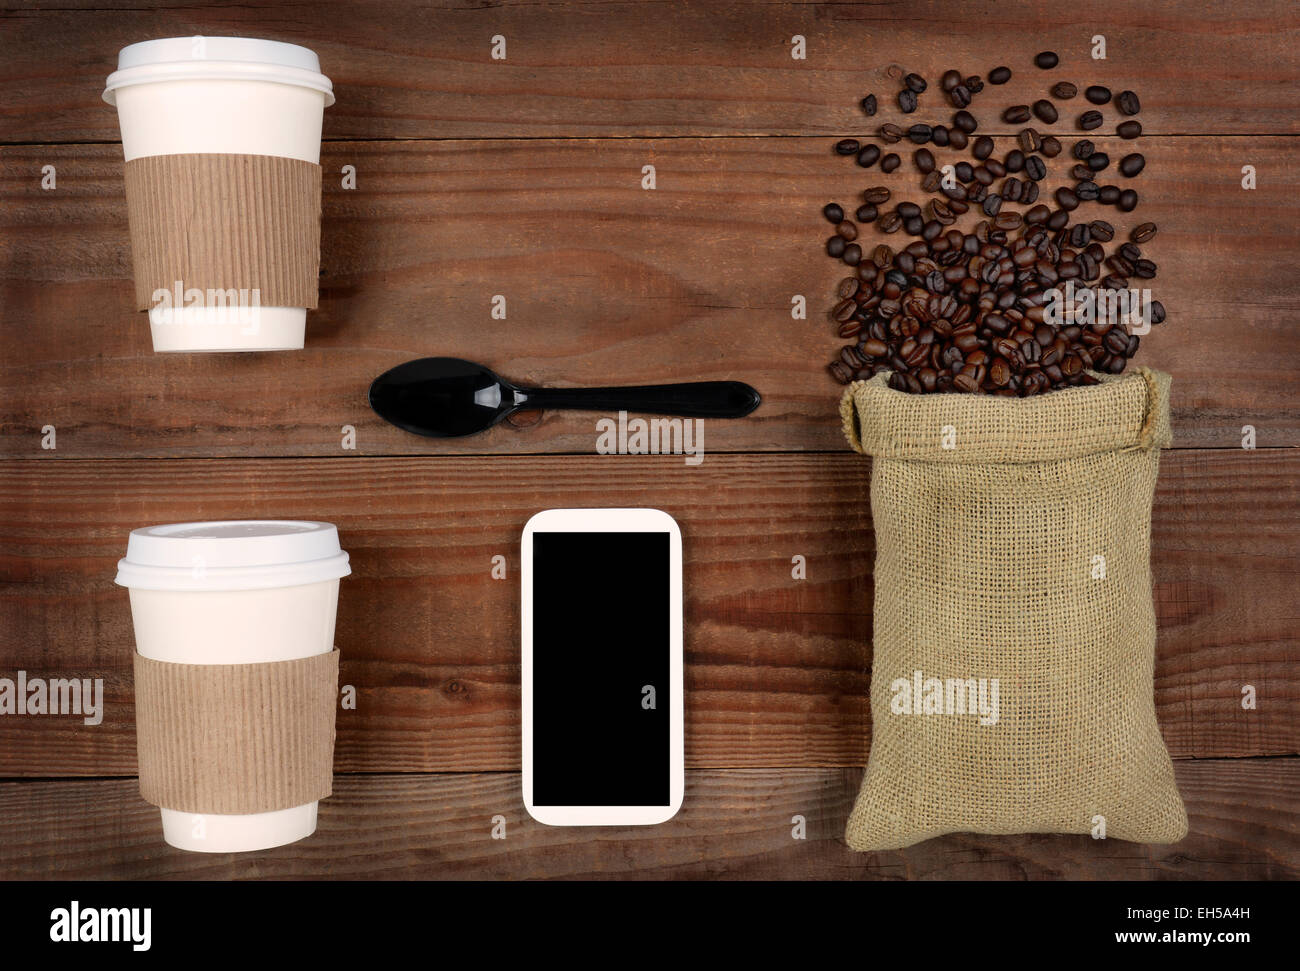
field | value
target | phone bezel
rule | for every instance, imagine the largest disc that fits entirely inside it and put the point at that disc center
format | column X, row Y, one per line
column 599, row 520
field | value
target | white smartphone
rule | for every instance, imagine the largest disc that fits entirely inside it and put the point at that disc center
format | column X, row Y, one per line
column 602, row 667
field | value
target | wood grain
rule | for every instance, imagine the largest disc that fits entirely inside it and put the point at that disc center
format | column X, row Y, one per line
column 735, row 824
column 777, row 669
column 405, row 70
column 605, row 283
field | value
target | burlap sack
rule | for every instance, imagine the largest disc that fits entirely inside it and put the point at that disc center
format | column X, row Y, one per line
column 1013, row 564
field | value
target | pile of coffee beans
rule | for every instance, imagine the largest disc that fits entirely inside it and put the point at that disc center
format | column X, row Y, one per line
column 968, row 311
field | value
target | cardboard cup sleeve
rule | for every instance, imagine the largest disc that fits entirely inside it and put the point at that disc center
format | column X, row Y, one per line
column 236, row 738
column 225, row 222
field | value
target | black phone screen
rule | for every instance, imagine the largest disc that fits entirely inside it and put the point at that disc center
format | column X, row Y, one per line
column 601, row 654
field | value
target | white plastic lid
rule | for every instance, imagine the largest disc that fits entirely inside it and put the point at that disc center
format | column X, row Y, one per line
column 249, row 554
column 217, row 59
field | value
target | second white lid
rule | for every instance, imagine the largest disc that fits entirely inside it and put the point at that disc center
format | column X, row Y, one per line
column 232, row 555
column 217, row 58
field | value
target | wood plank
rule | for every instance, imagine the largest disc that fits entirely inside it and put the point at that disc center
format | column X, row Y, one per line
column 735, row 824
column 777, row 669
column 625, row 68
column 605, row 283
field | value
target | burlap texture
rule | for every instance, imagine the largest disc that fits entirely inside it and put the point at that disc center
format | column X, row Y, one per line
column 236, row 738
column 989, row 559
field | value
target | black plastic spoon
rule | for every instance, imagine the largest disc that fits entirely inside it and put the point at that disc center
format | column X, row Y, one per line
column 445, row 397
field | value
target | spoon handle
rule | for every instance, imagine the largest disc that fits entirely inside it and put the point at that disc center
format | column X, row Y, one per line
column 703, row 399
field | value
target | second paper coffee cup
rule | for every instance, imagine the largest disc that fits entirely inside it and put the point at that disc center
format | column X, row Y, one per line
column 221, row 137
column 234, row 593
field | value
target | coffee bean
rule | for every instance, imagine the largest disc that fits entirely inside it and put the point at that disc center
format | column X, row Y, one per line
column 956, row 138
column 1097, row 94
column 847, row 146
column 848, row 288
column 983, row 147
column 1016, row 115
column 1144, row 270
column 1000, row 75
column 974, row 84
column 1142, row 233
column 1007, row 221
column 1131, row 165
column 1156, row 312
column 1081, row 172
column 1131, row 252
column 1102, row 230
column 835, row 246
column 920, row 134
column 1090, row 120
column 959, row 96
column 1034, row 168
column 965, row 121
column 992, row 203
column 1082, row 149
column 868, row 156
column 1128, row 200
column 1080, row 235
column 1128, row 129
column 963, row 171
column 889, row 163
column 1029, row 194
column 1029, row 140
column 891, row 133
column 996, row 167
column 907, row 101
column 852, row 254
column 1098, row 161
column 915, row 82
column 941, row 213
column 1087, row 191
column 924, row 160
column 1058, row 219
column 1064, row 91
column 866, row 213
column 931, row 181
column 869, row 105
column 890, row 222
column 1066, row 199
column 833, row 212
column 1046, row 111
column 876, row 195
column 1015, row 160
column 1116, row 340
column 1128, row 103
column 1051, row 146
column 908, row 210
column 1046, row 60
column 848, row 230
column 982, row 175
column 1109, row 195
column 950, row 80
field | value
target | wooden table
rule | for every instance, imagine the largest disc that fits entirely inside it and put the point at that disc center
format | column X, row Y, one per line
column 522, row 178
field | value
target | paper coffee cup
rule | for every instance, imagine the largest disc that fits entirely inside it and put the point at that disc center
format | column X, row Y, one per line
column 221, row 137
column 241, row 592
